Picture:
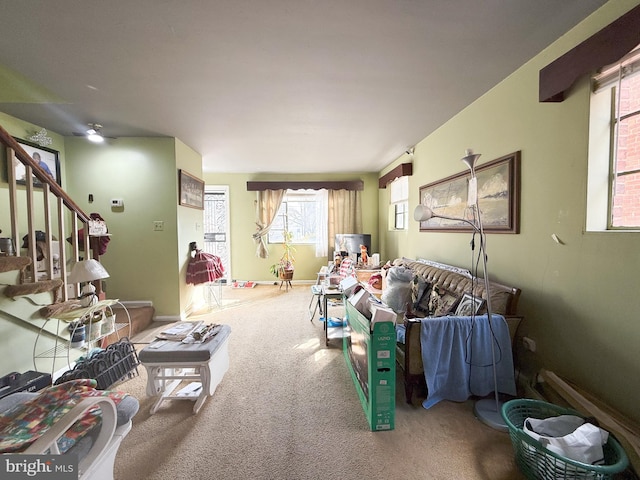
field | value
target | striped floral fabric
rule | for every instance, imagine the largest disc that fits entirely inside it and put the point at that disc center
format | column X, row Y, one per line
column 23, row 424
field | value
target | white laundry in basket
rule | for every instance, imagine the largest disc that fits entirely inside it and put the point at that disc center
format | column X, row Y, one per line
column 569, row 436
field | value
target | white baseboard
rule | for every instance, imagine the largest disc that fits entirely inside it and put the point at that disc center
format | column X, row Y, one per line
column 293, row 282
column 167, row 318
column 137, row 303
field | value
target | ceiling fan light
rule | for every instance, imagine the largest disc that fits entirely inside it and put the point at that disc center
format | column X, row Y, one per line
column 94, row 136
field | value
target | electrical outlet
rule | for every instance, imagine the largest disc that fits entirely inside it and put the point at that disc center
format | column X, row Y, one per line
column 158, row 225
column 529, row 344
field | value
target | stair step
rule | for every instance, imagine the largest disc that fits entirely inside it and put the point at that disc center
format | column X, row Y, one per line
column 141, row 318
column 32, row 288
column 9, row 263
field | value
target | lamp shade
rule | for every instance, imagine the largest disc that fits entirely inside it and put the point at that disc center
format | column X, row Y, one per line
column 422, row 213
column 470, row 159
column 87, row 271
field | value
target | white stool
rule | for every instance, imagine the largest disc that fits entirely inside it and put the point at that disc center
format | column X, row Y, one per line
column 213, row 293
column 168, row 363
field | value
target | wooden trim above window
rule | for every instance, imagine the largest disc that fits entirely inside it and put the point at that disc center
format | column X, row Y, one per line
column 605, row 47
column 328, row 185
column 402, row 170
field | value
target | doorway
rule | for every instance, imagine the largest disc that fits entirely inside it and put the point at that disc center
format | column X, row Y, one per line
column 216, row 226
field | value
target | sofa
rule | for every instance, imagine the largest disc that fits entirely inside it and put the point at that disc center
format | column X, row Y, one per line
column 451, row 282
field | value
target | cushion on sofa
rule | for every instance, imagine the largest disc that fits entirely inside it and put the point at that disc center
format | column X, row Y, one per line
column 420, row 296
column 459, row 281
column 442, row 302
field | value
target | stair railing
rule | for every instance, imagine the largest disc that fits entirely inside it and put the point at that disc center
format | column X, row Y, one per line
column 52, row 195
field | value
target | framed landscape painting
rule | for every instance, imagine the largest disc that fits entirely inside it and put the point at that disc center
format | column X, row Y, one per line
column 498, row 198
column 45, row 157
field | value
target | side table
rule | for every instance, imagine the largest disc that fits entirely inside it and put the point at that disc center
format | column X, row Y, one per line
column 330, row 332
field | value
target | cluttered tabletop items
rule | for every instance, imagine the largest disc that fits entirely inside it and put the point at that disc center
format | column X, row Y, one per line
column 186, row 332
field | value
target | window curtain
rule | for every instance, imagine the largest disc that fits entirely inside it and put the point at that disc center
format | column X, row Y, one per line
column 345, row 213
column 322, row 200
column 267, row 206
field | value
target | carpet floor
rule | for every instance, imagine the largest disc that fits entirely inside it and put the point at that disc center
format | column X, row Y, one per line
column 287, row 409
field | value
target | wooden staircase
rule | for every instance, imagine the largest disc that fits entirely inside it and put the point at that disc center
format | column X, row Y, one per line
column 59, row 217
column 39, row 217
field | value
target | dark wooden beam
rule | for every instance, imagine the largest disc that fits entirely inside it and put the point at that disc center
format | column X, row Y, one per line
column 329, row 185
column 402, row 170
column 605, row 47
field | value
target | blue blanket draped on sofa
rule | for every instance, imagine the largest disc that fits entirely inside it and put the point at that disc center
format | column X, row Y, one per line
column 456, row 353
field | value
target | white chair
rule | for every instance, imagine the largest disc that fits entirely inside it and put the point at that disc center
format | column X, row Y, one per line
column 98, row 463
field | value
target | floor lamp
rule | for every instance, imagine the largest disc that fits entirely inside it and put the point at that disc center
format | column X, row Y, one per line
column 487, row 410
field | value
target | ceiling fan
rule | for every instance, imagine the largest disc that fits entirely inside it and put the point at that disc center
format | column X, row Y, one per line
column 93, row 133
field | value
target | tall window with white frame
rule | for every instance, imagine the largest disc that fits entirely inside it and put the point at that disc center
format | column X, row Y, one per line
column 619, row 86
column 399, row 203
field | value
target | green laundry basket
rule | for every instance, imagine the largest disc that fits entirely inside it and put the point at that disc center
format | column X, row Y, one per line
column 538, row 463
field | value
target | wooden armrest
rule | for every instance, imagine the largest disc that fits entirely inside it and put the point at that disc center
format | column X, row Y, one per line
column 513, row 322
column 410, row 321
column 48, row 441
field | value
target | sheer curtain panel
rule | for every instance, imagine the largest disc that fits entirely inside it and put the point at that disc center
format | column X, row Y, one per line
column 267, row 206
column 322, row 247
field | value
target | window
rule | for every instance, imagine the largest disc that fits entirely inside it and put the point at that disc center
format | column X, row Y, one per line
column 298, row 215
column 614, row 155
column 399, row 203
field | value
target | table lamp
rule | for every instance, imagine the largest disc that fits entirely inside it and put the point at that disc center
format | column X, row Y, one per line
column 87, row 271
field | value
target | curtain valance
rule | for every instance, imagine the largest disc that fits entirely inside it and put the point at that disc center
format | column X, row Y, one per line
column 357, row 185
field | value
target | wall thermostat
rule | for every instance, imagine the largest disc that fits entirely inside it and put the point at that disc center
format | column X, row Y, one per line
column 117, row 202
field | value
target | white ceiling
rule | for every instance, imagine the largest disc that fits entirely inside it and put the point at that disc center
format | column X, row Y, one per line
column 295, row 86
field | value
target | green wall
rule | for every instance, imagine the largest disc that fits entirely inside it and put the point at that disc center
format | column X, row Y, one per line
column 142, row 262
column 579, row 299
column 190, row 222
column 244, row 263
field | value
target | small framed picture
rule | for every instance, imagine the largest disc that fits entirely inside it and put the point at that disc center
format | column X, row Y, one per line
column 45, row 157
column 191, row 190
column 469, row 305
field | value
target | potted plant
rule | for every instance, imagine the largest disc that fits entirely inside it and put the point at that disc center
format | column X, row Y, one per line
column 284, row 268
